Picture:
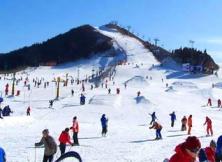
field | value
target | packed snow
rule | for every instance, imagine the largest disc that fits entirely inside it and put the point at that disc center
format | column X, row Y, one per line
column 129, row 138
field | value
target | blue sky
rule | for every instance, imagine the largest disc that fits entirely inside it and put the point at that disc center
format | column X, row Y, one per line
column 174, row 22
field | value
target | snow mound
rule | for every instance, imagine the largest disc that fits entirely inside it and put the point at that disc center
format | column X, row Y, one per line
column 184, row 85
column 218, row 85
column 103, row 100
column 136, row 81
column 141, row 99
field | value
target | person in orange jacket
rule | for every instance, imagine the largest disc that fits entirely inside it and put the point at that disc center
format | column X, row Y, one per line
column 63, row 139
column 75, row 128
column 189, row 123
column 158, row 128
column 187, row 151
column 209, row 126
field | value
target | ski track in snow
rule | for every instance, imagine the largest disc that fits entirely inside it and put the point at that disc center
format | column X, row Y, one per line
column 129, row 138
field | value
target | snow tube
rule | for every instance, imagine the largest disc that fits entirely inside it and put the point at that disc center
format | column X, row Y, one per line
column 69, row 154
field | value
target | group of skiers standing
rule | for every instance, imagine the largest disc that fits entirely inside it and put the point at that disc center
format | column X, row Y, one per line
column 64, row 139
column 209, row 103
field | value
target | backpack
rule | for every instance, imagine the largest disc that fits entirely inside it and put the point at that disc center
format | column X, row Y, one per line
column 202, row 156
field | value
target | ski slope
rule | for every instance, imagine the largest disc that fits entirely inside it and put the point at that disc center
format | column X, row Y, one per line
column 129, row 138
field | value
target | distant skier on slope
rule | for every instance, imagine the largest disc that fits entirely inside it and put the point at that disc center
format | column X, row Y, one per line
column 109, row 91
column 189, row 123
column 82, row 99
column 50, row 103
column 28, row 111
column 117, row 91
column 184, row 124
column 187, row 151
column 218, row 103
column 104, row 123
column 153, row 117
column 209, row 102
column 173, row 118
column 158, row 128
column 209, row 126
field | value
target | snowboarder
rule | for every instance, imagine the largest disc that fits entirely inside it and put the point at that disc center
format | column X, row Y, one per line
column 184, row 124
column 64, row 138
column 49, row 144
column 173, row 118
column 153, row 116
column 104, row 123
column 28, row 111
column 82, row 99
column 75, row 128
column 2, row 155
column 187, row 151
column 158, row 128
column 50, row 103
column 209, row 103
column 72, row 92
column 218, row 103
column 117, row 91
column 109, row 91
column 208, row 153
column 209, row 126
column 189, row 123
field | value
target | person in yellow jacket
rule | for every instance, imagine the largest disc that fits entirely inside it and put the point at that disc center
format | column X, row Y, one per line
column 158, row 128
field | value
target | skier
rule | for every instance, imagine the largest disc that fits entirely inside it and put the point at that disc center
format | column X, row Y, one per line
column 50, row 103
column 72, row 92
column 219, row 149
column 63, row 139
column 184, row 124
column 218, row 103
column 49, row 144
column 104, row 123
column 117, row 90
column 208, row 153
column 138, row 93
column 91, row 87
column 209, row 102
column 189, row 123
column 158, row 128
column 153, row 116
column 109, row 91
column 187, row 151
column 209, row 126
column 6, row 89
column 173, row 118
column 28, row 111
column 1, row 113
column 82, row 99
column 75, row 128
column 2, row 155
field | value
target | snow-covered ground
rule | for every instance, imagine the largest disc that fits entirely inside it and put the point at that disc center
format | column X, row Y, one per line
column 129, row 138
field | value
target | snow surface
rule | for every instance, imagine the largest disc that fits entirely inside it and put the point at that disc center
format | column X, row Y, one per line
column 129, row 138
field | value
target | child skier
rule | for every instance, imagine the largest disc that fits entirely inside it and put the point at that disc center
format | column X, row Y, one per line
column 158, row 128
column 209, row 126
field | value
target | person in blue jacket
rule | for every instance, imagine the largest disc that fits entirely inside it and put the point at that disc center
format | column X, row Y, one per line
column 2, row 155
column 104, row 123
column 82, row 99
column 153, row 116
column 219, row 149
column 173, row 118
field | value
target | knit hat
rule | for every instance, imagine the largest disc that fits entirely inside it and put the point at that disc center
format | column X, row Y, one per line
column 213, row 144
column 45, row 131
column 192, row 143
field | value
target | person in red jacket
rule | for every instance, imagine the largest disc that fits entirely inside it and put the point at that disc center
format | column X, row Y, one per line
column 75, row 128
column 189, row 123
column 64, row 138
column 209, row 126
column 187, row 151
